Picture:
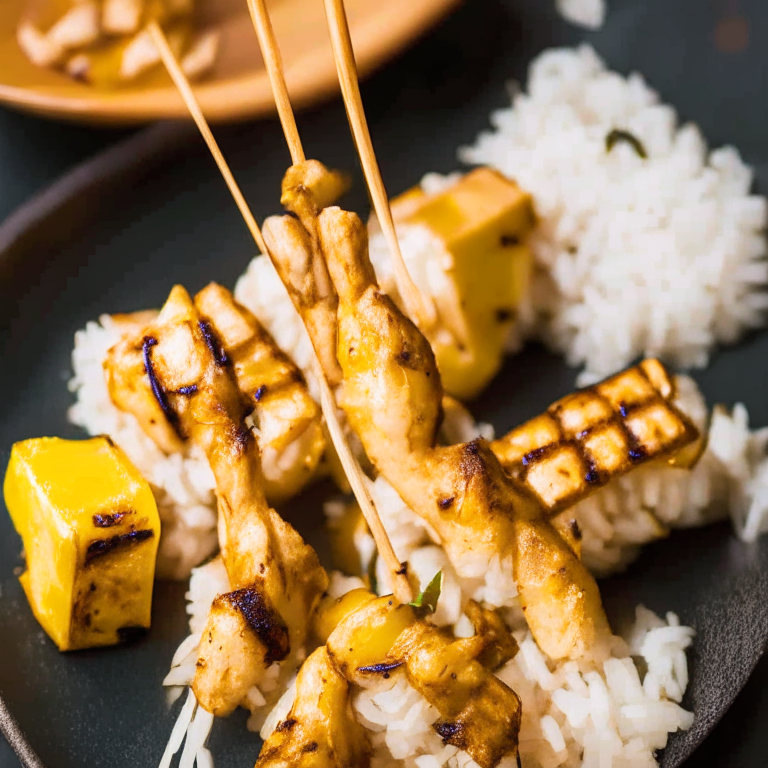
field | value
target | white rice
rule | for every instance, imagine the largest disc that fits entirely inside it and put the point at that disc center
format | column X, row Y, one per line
column 663, row 256
column 182, row 483
column 583, row 13
column 743, row 454
column 576, row 714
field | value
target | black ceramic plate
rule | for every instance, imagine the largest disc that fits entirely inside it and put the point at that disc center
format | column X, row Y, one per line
column 115, row 235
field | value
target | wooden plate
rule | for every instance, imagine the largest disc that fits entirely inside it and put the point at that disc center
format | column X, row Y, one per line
column 238, row 86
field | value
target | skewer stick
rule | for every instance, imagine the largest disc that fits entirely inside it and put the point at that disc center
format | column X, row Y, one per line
column 401, row 585
column 420, row 308
column 182, row 83
column 274, row 63
column 273, row 60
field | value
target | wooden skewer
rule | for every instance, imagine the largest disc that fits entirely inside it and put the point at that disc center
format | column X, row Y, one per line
column 420, row 308
column 274, row 63
column 401, row 586
column 271, row 54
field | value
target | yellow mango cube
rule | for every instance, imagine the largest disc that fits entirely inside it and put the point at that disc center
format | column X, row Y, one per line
column 90, row 529
column 481, row 223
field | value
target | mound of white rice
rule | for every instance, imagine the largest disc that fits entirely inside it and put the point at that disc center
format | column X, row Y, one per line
column 182, row 483
column 663, row 255
column 604, row 717
column 743, row 454
column 659, row 256
column 574, row 714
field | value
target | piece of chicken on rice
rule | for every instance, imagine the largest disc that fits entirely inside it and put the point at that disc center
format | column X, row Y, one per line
column 391, row 393
column 290, row 422
column 276, row 578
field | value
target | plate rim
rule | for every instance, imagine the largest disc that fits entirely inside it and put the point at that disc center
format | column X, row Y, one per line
column 133, row 152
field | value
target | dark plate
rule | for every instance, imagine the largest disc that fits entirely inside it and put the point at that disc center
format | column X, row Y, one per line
column 115, row 235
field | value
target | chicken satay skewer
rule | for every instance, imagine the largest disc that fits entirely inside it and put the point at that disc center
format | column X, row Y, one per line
column 311, row 218
column 418, row 306
column 490, row 701
column 273, row 60
column 401, row 586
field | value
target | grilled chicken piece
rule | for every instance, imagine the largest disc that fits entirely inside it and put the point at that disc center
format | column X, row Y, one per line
column 307, row 188
column 290, row 422
column 495, row 645
column 478, row 713
column 277, row 578
column 242, row 637
column 368, row 637
column 588, row 438
column 321, row 730
column 102, row 42
column 133, row 391
column 392, row 396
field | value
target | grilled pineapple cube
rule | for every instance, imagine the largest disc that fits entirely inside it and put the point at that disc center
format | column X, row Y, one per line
column 90, row 530
column 479, row 226
column 588, row 438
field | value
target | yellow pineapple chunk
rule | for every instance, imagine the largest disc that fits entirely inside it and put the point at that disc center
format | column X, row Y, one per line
column 596, row 434
column 481, row 223
column 90, row 530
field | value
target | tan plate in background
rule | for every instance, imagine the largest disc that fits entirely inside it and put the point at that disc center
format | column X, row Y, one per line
column 238, row 86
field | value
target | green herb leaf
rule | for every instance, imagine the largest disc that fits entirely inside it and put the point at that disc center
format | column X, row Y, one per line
column 617, row 136
column 426, row 601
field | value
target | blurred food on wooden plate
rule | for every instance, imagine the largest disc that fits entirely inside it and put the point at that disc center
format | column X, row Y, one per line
column 92, row 60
